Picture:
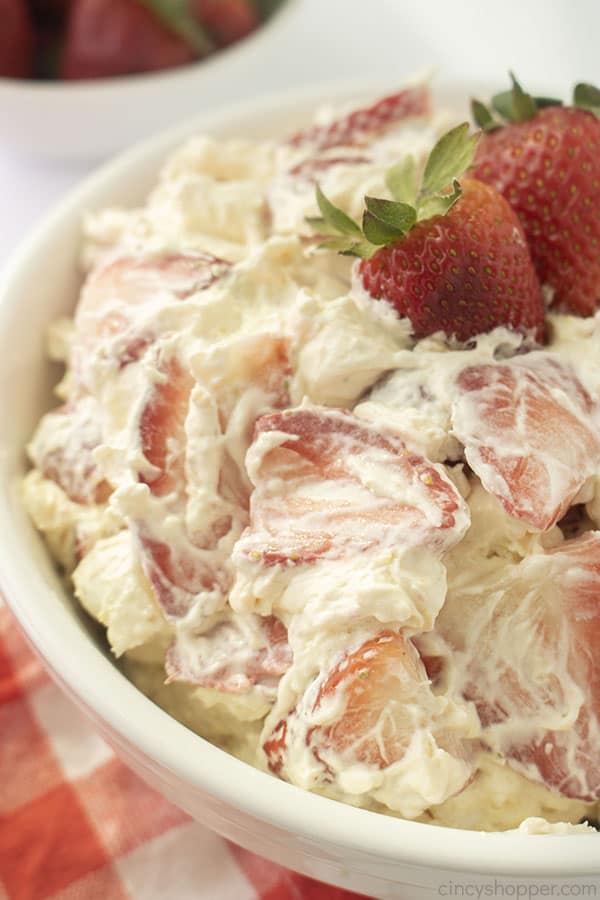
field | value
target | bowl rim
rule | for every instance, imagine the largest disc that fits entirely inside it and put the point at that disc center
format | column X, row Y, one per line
column 93, row 681
column 89, row 88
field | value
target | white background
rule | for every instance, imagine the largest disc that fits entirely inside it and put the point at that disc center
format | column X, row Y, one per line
column 549, row 43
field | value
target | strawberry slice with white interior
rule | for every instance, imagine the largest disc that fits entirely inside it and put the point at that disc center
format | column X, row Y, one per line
column 235, row 656
column 119, row 294
column 530, row 432
column 162, row 428
column 372, row 708
column 63, row 451
column 525, row 637
column 199, row 497
column 364, row 124
column 328, row 486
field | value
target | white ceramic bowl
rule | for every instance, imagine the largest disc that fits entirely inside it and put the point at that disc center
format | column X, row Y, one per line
column 86, row 120
column 361, row 850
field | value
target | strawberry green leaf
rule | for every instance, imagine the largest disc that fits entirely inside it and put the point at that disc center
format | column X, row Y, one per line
column 341, row 244
column 586, row 96
column 542, row 102
column 482, row 116
column 347, row 246
column 515, row 105
column 363, row 249
column 399, row 217
column 335, row 218
column 523, row 104
column 377, row 232
column 502, row 104
column 266, row 8
column 450, row 157
column 320, row 225
column 177, row 16
column 401, row 180
column 439, row 204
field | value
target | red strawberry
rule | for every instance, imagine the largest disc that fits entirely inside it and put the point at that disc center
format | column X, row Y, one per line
column 529, row 429
column 547, row 165
column 119, row 37
column 226, row 20
column 50, row 11
column 464, row 273
column 454, row 261
column 16, row 39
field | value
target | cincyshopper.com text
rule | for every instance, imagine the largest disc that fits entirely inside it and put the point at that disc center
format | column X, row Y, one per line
column 517, row 889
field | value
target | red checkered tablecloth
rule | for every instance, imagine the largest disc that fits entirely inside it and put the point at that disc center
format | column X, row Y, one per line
column 76, row 824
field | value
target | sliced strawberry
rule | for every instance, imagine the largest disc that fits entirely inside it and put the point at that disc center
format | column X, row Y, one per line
column 528, row 635
column 119, row 37
column 364, row 124
column 130, row 282
column 63, row 451
column 180, row 564
column 267, row 368
column 162, row 428
column 379, row 683
column 227, row 21
column 366, row 709
column 118, row 295
column 16, row 39
column 530, row 434
column 333, row 486
column 310, row 169
column 235, row 656
column 178, row 572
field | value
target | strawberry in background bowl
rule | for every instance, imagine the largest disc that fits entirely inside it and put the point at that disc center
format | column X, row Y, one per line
column 73, row 39
column 82, row 78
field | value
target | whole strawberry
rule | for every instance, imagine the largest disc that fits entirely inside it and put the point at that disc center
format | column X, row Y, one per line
column 120, row 37
column 451, row 259
column 16, row 39
column 546, row 162
column 226, row 21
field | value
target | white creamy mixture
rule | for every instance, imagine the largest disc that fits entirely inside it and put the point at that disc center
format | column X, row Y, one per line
column 265, row 490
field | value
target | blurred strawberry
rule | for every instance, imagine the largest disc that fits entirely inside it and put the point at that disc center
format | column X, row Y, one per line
column 226, row 20
column 546, row 162
column 119, row 37
column 16, row 39
column 360, row 126
column 50, row 10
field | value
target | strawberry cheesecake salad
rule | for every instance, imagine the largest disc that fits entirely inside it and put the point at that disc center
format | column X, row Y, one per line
column 327, row 460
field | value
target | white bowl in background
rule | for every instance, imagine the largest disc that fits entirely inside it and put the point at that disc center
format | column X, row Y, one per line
column 88, row 119
column 361, row 850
